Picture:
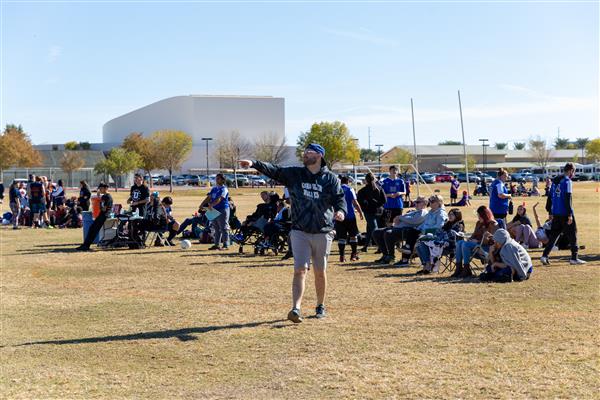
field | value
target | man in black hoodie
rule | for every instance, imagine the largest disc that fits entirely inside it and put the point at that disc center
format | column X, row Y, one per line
column 318, row 200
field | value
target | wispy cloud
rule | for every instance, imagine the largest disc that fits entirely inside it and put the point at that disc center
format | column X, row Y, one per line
column 363, row 35
column 54, row 52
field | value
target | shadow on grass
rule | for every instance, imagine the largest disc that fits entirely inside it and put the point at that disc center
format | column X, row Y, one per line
column 183, row 335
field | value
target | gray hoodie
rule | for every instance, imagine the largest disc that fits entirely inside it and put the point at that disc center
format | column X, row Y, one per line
column 412, row 219
column 314, row 197
column 513, row 254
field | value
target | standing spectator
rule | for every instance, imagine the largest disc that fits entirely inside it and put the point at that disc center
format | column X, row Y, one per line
column 106, row 205
column 347, row 230
column 25, row 210
column 563, row 217
column 394, row 189
column 499, row 198
column 407, row 186
column 454, row 186
column 1, row 192
column 317, row 200
column 84, row 196
column 58, row 195
column 139, row 195
column 547, row 187
column 371, row 199
column 37, row 201
column 15, row 204
column 218, row 199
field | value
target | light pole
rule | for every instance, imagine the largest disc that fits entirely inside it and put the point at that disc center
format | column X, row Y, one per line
column 379, row 146
column 206, row 139
column 483, row 155
column 353, row 162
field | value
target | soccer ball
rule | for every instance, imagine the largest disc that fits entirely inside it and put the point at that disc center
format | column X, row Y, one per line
column 186, row 244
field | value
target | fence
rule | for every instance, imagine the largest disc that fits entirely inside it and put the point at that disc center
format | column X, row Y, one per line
column 86, row 174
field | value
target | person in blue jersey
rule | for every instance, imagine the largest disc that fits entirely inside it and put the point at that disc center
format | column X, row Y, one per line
column 317, row 201
column 218, row 199
column 454, row 186
column 394, row 189
column 563, row 217
column 347, row 230
column 500, row 198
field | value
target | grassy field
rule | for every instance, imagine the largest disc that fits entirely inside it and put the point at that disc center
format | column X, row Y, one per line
column 166, row 322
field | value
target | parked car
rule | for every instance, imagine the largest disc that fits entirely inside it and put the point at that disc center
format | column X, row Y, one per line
column 257, row 180
column 444, row 177
column 462, row 177
column 484, row 177
column 526, row 176
column 179, row 180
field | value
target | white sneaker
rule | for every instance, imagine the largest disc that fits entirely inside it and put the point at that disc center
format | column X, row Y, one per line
column 577, row 261
column 544, row 261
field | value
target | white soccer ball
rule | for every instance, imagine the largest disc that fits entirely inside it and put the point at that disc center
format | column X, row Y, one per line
column 186, row 244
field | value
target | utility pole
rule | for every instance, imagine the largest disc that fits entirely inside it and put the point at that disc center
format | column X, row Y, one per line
column 379, row 146
column 369, row 138
column 483, row 153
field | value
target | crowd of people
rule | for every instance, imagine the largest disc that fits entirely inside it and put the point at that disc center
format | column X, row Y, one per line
column 41, row 203
column 318, row 206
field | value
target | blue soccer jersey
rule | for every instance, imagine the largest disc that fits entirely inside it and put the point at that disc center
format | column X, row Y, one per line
column 219, row 191
column 349, row 196
column 498, row 205
column 560, row 202
column 393, row 186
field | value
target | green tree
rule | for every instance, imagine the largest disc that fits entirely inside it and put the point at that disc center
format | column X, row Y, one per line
column 85, row 145
column 401, row 156
column 336, row 140
column 16, row 149
column 72, row 145
column 118, row 162
column 368, row 155
column 561, row 143
column 580, row 143
column 471, row 163
column 592, row 149
column 501, row 146
column 174, row 148
column 519, row 145
column 147, row 149
column 450, row 143
column 70, row 162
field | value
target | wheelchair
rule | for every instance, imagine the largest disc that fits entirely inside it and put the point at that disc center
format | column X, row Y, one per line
column 250, row 234
column 278, row 243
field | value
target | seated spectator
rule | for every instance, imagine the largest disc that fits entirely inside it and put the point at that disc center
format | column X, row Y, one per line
column 434, row 221
column 155, row 218
column 484, row 229
column 534, row 191
column 58, row 216
column 198, row 222
column 74, row 218
column 172, row 225
column 510, row 261
column 443, row 242
column 463, row 202
column 520, row 229
column 386, row 238
column 281, row 223
column 258, row 219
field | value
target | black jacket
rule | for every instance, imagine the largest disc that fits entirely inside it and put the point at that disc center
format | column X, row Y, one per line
column 314, row 197
column 371, row 200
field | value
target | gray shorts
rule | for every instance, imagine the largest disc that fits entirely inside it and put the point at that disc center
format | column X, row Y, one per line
column 311, row 246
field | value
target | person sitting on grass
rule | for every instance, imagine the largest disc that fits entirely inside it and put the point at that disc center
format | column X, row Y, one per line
column 520, row 229
column 386, row 238
column 443, row 242
column 74, row 218
column 463, row 202
column 434, row 220
column 508, row 260
column 484, row 229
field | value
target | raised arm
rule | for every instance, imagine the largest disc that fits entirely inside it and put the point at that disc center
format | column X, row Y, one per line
column 272, row 171
column 535, row 214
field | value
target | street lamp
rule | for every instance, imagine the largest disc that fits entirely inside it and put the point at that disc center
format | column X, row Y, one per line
column 353, row 163
column 206, row 139
column 379, row 146
column 483, row 146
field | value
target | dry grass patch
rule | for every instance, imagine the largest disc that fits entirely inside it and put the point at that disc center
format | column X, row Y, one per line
column 167, row 323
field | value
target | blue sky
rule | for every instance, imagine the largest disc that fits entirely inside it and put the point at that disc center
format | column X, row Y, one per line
column 524, row 69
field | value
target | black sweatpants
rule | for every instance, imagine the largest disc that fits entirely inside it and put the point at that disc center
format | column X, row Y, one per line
column 560, row 225
column 94, row 230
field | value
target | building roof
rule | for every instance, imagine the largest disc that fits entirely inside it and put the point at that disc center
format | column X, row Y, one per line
column 446, row 150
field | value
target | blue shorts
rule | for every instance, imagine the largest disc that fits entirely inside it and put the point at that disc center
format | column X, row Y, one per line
column 37, row 208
